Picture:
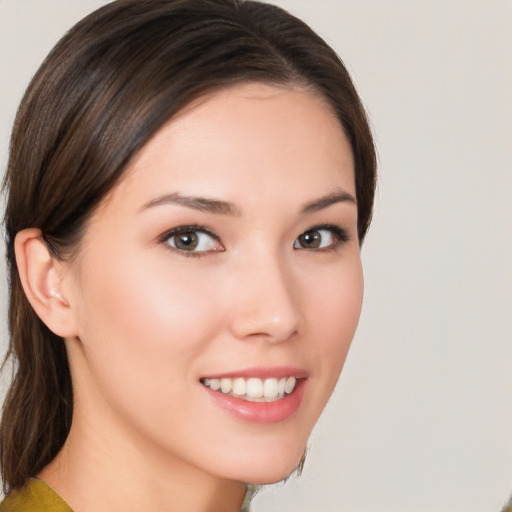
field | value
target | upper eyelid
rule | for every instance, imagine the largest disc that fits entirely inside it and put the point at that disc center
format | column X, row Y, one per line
column 186, row 228
column 340, row 237
column 330, row 227
column 164, row 238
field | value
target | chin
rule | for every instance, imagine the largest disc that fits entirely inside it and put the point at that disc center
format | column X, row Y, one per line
column 271, row 476
column 270, row 469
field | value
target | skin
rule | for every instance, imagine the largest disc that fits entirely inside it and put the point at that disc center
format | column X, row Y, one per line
column 144, row 321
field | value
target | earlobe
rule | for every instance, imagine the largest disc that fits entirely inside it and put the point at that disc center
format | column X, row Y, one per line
column 41, row 276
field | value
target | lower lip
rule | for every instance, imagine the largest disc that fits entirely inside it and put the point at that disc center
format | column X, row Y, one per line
column 260, row 412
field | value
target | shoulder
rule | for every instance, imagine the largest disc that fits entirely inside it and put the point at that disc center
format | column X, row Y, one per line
column 36, row 496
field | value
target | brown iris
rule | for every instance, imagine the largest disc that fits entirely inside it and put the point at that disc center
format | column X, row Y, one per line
column 310, row 239
column 186, row 241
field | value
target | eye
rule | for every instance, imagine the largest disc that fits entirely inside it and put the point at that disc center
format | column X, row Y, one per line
column 321, row 237
column 190, row 239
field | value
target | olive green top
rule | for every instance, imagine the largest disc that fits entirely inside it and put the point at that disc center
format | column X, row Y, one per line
column 36, row 496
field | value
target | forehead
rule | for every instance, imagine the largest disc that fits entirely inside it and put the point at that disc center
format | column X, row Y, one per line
column 244, row 143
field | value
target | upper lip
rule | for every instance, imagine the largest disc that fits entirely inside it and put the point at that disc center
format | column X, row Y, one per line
column 262, row 372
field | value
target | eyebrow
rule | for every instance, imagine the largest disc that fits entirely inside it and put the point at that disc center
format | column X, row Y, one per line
column 216, row 206
column 202, row 204
column 324, row 202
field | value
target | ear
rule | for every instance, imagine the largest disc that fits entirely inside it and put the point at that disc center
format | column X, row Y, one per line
column 43, row 280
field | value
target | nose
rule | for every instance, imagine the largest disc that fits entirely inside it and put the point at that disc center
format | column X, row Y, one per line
column 265, row 301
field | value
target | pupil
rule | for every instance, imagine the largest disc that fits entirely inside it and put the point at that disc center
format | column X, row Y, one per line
column 311, row 239
column 187, row 241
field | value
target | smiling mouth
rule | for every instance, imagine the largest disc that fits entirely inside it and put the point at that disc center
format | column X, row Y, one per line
column 253, row 389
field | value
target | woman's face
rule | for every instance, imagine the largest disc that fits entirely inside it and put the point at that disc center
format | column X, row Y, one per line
column 227, row 256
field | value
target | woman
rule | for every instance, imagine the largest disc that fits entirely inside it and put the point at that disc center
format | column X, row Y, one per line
column 189, row 185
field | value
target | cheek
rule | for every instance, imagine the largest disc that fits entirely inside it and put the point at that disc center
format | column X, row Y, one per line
column 144, row 323
column 342, row 310
column 335, row 306
column 145, row 327
column 145, row 294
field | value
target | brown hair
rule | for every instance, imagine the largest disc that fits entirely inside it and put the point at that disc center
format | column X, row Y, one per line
column 110, row 83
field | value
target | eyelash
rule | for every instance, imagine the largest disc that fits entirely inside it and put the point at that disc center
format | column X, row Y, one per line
column 340, row 237
column 175, row 232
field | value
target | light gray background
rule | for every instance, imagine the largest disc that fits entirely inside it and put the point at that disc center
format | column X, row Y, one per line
column 421, row 420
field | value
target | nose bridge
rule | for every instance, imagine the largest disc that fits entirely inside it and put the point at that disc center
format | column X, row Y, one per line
column 265, row 301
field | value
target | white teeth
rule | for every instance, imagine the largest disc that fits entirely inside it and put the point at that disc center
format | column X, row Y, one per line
column 239, row 387
column 214, row 384
column 226, row 385
column 253, row 389
column 271, row 388
column 290, row 384
column 281, row 385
